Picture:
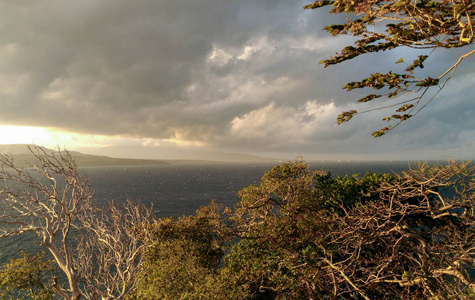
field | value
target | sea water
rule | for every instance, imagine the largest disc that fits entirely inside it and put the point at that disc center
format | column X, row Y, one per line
column 181, row 188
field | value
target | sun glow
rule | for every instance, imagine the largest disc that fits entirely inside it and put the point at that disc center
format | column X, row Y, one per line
column 48, row 137
column 24, row 135
column 52, row 138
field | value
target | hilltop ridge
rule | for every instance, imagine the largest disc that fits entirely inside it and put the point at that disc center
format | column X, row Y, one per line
column 23, row 157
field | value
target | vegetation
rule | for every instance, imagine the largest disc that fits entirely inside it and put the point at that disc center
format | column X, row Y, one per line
column 52, row 199
column 186, row 258
column 299, row 234
column 307, row 235
column 381, row 25
column 24, row 277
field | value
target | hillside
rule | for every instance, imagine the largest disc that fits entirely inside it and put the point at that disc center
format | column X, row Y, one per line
column 23, row 157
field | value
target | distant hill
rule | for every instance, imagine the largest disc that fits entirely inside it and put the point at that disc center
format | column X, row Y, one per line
column 175, row 154
column 23, row 157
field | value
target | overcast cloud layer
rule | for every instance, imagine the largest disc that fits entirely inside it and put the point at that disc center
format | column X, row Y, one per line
column 239, row 76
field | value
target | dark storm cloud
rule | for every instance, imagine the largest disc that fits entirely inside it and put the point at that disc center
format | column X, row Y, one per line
column 110, row 62
column 236, row 74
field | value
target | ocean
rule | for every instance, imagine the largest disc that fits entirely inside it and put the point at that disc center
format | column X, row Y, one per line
column 181, row 188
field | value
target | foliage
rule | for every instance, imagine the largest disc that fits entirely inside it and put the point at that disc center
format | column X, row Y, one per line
column 186, row 256
column 308, row 235
column 283, row 221
column 24, row 277
column 381, row 25
column 297, row 235
column 379, row 236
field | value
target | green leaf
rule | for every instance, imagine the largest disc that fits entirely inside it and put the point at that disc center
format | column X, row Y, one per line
column 405, row 107
column 318, row 4
column 428, row 82
column 381, row 132
column 345, row 116
column 369, row 98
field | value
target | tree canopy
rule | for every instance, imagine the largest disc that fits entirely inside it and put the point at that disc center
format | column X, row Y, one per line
column 383, row 25
column 298, row 234
column 307, row 235
column 24, row 278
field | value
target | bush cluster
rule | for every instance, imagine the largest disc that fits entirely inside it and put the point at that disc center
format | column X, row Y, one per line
column 308, row 235
column 303, row 234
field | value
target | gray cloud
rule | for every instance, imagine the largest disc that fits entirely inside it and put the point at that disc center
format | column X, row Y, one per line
column 230, row 74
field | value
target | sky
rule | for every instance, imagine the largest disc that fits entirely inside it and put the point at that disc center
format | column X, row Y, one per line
column 167, row 78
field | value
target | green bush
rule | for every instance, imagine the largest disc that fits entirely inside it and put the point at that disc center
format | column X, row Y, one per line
column 302, row 234
column 25, row 277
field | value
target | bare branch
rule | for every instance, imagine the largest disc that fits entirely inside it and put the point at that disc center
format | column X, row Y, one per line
column 109, row 250
column 34, row 201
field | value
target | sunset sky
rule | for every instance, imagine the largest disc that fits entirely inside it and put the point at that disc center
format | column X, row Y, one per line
column 154, row 79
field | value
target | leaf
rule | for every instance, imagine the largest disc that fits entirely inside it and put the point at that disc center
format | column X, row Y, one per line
column 418, row 63
column 381, row 132
column 318, row 4
column 369, row 98
column 428, row 82
column 405, row 107
column 345, row 116
column 401, row 60
column 401, row 117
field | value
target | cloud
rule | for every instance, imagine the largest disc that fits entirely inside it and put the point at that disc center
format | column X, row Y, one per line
column 227, row 74
column 278, row 127
column 98, row 66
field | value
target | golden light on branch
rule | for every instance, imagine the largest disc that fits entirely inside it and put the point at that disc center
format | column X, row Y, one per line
column 419, row 24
